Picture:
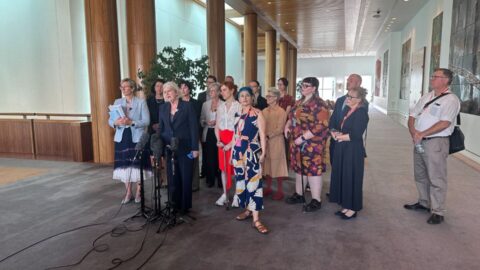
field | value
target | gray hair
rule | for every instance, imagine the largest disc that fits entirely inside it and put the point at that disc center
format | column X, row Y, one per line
column 274, row 91
column 216, row 86
column 174, row 86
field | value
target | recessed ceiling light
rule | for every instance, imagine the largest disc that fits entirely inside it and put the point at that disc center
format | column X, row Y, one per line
column 269, row 3
column 393, row 19
column 293, row 30
column 287, row 23
column 405, row 0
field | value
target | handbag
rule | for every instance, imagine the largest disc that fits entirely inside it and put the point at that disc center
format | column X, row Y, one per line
column 457, row 139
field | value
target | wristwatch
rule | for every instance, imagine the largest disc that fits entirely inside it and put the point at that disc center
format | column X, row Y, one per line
column 133, row 124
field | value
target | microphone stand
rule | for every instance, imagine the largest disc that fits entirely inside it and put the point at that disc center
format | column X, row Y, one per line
column 167, row 215
column 301, row 175
column 141, row 212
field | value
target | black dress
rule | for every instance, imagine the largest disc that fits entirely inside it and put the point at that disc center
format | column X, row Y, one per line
column 153, row 107
column 348, row 163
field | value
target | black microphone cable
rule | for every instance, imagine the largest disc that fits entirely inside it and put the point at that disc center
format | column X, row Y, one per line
column 74, row 229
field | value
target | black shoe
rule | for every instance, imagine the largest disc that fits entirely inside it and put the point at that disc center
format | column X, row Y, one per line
column 435, row 219
column 416, row 206
column 339, row 213
column 295, row 198
column 313, row 206
column 343, row 216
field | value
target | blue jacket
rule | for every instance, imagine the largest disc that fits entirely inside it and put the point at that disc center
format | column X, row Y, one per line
column 138, row 113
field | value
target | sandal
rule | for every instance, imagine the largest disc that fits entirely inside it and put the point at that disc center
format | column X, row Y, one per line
column 245, row 215
column 260, row 227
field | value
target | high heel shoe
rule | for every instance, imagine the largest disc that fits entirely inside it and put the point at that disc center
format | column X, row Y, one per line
column 127, row 200
column 349, row 217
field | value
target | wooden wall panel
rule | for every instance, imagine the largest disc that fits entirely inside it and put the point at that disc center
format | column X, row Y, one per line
column 82, row 145
column 16, row 137
column 53, row 139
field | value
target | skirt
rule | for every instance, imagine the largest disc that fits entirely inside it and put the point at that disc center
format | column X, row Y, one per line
column 126, row 167
column 224, row 157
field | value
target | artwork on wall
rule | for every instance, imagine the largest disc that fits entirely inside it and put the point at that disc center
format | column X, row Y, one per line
column 436, row 43
column 385, row 74
column 405, row 72
column 465, row 54
column 378, row 71
column 416, row 81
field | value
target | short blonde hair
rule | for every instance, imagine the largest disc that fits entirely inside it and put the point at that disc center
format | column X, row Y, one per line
column 131, row 83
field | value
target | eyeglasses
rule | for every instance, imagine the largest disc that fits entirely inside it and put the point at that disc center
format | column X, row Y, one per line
column 434, row 77
column 270, row 96
column 306, row 85
column 350, row 97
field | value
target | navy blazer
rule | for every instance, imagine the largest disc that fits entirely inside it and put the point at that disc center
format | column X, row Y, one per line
column 183, row 126
column 338, row 113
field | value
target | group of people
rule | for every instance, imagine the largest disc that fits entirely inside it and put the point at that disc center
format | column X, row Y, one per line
column 248, row 140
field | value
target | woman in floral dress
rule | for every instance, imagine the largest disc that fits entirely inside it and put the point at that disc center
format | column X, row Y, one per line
column 307, row 128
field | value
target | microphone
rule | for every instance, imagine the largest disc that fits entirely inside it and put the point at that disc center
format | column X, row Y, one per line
column 173, row 144
column 141, row 144
column 156, row 145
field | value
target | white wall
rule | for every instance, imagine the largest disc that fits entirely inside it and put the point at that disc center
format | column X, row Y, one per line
column 186, row 20
column 338, row 67
column 43, row 57
column 420, row 30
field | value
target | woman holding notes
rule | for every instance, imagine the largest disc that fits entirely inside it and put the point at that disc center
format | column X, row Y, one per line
column 130, row 118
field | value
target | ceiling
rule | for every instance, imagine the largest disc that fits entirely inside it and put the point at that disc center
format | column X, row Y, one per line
column 330, row 28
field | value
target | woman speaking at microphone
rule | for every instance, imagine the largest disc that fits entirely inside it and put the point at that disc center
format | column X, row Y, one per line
column 128, row 131
column 178, row 129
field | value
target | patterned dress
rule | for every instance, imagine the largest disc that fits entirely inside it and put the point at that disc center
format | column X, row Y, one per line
column 246, row 161
column 312, row 115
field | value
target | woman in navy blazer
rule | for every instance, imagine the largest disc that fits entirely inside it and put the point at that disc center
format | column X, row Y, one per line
column 128, row 131
column 177, row 119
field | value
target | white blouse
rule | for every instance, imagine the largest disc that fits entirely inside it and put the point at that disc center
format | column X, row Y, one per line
column 226, row 118
column 206, row 116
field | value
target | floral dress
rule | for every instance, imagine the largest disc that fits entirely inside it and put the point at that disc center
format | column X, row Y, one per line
column 246, row 161
column 309, row 157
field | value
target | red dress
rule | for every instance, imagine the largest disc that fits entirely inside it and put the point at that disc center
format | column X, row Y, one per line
column 286, row 101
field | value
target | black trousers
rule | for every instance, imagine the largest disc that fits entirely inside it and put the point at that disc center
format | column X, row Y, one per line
column 211, row 160
column 180, row 182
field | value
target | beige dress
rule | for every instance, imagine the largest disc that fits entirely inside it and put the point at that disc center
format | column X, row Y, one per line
column 275, row 164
